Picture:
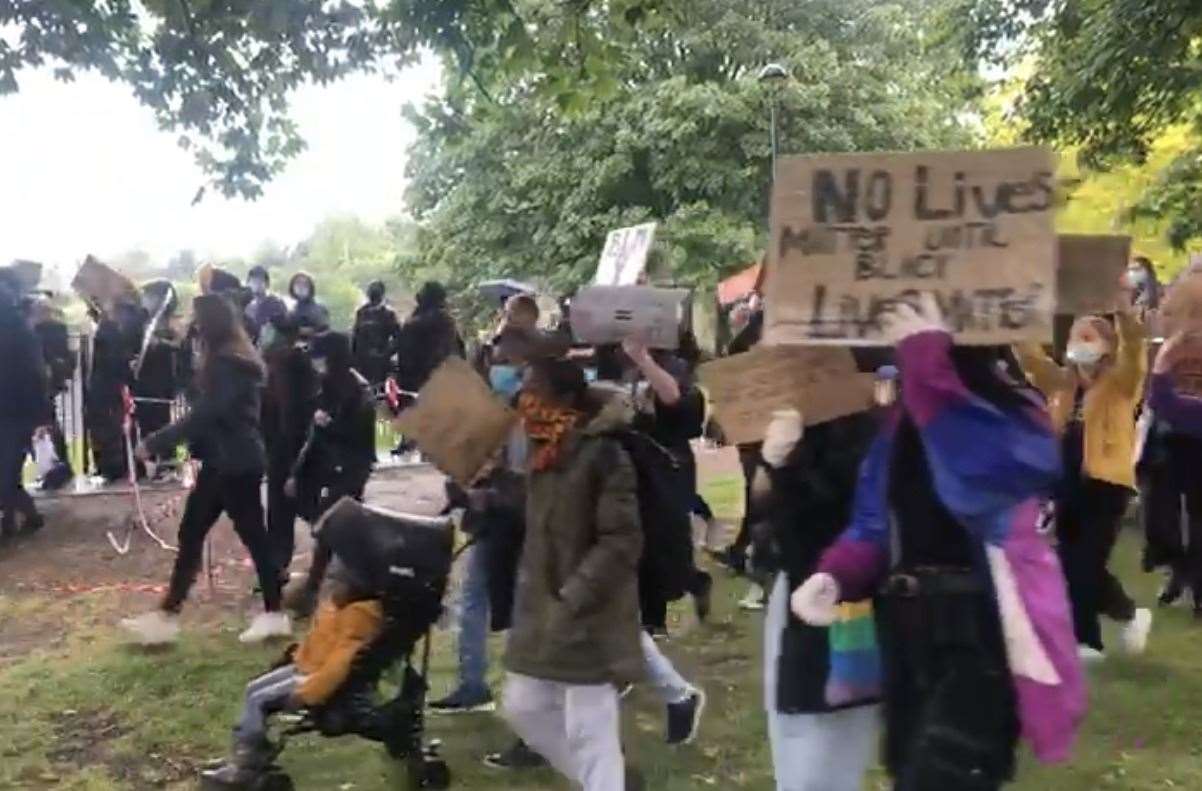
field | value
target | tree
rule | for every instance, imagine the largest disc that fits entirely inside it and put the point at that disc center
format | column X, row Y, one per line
column 219, row 73
column 514, row 187
column 1110, row 79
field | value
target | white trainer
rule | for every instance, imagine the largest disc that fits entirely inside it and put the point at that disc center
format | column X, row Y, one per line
column 267, row 625
column 156, row 627
column 1135, row 633
column 1090, row 655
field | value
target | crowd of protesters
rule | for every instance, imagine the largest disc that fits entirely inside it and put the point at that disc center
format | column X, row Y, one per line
column 901, row 555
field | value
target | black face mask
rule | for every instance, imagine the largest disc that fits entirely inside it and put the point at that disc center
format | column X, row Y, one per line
column 375, row 296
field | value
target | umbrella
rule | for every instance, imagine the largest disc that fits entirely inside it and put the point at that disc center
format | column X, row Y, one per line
column 501, row 290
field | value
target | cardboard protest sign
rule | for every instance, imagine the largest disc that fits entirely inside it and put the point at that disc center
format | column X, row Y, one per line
column 1088, row 273
column 745, row 389
column 609, row 314
column 625, row 255
column 104, row 286
column 457, row 422
column 855, row 234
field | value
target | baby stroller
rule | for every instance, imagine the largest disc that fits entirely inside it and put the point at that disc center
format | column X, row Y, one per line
column 406, row 559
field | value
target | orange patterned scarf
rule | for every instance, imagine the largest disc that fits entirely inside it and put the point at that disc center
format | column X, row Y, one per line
column 547, row 425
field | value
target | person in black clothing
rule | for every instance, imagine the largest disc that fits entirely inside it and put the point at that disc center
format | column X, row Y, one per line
column 310, row 316
column 289, row 402
column 59, row 364
column 23, row 407
column 264, row 308
column 115, row 346
column 224, row 432
column 374, row 337
column 671, row 412
column 337, row 460
column 157, row 376
column 426, row 339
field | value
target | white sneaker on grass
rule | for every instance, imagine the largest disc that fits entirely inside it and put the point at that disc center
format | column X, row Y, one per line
column 156, row 627
column 1135, row 632
column 1090, row 655
column 267, row 625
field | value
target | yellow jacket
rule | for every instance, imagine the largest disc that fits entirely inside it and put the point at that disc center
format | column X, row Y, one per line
column 1109, row 408
column 324, row 658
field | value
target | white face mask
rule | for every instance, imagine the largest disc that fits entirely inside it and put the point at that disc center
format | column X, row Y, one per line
column 258, row 287
column 1137, row 275
column 321, row 366
column 1085, row 353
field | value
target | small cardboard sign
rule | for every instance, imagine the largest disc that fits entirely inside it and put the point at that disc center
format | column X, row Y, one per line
column 853, row 235
column 745, row 389
column 610, row 314
column 457, row 421
column 1089, row 272
column 104, row 286
column 624, row 258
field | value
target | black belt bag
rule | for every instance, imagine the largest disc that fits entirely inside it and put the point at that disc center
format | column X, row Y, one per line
column 922, row 582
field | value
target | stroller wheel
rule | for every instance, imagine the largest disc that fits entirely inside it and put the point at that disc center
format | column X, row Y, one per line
column 436, row 774
column 275, row 781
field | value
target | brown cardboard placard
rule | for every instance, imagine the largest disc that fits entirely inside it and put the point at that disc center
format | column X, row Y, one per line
column 1088, row 273
column 855, row 234
column 745, row 389
column 457, row 421
column 104, row 286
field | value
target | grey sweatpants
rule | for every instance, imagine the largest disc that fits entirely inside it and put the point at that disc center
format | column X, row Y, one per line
column 267, row 693
column 813, row 752
column 576, row 727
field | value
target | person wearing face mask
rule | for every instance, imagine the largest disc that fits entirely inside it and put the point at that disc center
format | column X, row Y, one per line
column 264, row 307
column 1145, row 286
column 309, row 314
column 338, row 456
column 1093, row 401
column 374, row 337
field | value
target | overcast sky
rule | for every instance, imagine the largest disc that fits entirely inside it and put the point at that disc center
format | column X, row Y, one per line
column 84, row 169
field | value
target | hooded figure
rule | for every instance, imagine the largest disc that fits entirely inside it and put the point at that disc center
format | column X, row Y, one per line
column 374, row 338
column 575, row 638
column 310, row 315
column 1093, row 400
column 426, row 339
column 976, row 643
column 156, row 377
column 288, row 406
column 24, row 405
column 116, row 344
column 264, row 307
column 342, row 450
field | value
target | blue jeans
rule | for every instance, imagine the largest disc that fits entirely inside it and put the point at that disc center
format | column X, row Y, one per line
column 473, row 623
column 267, row 693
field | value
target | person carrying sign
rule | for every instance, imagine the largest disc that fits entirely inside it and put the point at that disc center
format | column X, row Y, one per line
column 1093, row 401
column 974, row 629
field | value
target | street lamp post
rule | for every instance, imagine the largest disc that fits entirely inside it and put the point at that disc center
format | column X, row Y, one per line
column 773, row 75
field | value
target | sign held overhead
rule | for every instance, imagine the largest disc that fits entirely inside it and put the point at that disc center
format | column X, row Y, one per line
column 853, row 235
column 624, row 258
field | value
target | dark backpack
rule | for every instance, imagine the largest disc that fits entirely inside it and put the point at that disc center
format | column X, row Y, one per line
column 664, row 510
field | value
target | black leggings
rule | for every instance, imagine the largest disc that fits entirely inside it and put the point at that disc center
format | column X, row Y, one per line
column 237, row 496
column 281, row 513
column 950, row 709
column 1088, row 517
column 14, row 500
column 1166, row 488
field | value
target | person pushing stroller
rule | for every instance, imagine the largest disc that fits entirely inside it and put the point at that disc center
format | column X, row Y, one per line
column 350, row 617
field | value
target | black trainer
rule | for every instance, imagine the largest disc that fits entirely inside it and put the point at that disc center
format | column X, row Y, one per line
column 463, row 701
column 517, row 757
column 684, row 718
column 703, row 596
column 1172, row 591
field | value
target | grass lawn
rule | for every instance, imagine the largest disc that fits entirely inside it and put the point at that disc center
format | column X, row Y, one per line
column 93, row 714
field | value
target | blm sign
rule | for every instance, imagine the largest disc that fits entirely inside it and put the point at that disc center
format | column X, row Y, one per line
column 853, row 235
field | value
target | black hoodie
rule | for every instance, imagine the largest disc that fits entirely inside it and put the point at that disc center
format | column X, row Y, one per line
column 309, row 314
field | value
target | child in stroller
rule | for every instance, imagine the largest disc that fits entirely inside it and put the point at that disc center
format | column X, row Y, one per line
column 383, row 592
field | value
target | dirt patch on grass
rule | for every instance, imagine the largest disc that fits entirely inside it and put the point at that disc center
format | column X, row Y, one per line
column 91, row 740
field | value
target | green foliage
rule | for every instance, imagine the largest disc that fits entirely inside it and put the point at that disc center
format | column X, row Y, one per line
column 219, row 74
column 1110, row 78
column 513, row 186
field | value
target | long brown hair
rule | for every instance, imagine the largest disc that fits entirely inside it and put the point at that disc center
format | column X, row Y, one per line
column 220, row 330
